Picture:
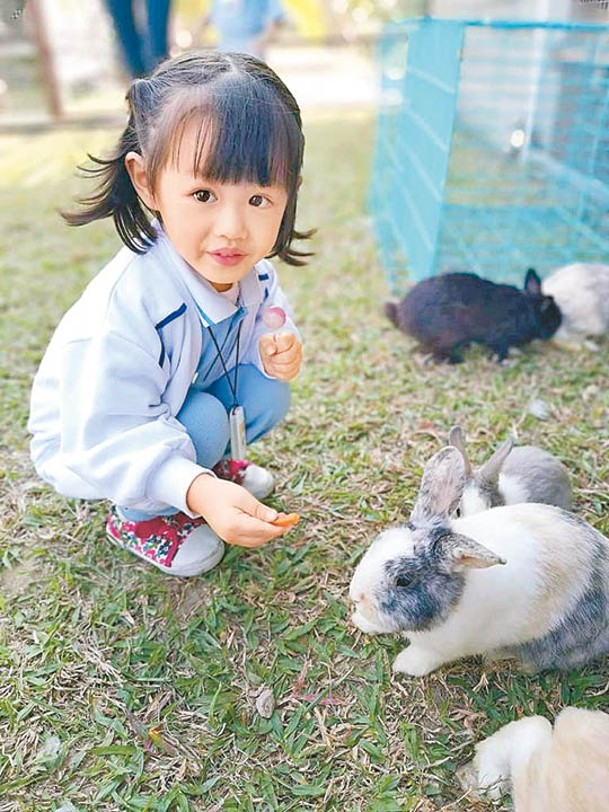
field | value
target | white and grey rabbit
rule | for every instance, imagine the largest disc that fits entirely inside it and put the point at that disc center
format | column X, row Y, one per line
column 511, row 475
column 526, row 581
column 581, row 290
column 564, row 768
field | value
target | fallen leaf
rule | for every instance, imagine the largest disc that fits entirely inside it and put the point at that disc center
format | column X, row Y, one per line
column 265, row 703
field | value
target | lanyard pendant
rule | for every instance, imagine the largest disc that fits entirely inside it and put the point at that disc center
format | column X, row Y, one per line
column 238, row 444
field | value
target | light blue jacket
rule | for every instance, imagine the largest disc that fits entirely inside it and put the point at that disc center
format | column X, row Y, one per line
column 118, row 368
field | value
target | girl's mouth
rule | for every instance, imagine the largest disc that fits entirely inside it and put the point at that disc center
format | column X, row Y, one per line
column 227, row 257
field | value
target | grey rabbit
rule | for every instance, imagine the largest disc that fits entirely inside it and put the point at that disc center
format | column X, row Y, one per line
column 527, row 581
column 511, row 475
column 447, row 313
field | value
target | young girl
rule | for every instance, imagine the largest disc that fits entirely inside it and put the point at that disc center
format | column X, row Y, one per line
column 166, row 354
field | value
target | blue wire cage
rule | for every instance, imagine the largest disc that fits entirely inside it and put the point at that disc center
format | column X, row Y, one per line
column 492, row 148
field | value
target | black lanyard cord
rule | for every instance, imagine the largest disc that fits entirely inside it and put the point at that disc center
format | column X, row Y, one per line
column 232, row 386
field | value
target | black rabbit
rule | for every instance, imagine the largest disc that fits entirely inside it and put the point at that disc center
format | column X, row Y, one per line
column 447, row 313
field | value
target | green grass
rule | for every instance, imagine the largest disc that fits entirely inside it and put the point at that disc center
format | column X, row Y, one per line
column 124, row 689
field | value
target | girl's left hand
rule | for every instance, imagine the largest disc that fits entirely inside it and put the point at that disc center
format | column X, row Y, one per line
column 281, row 355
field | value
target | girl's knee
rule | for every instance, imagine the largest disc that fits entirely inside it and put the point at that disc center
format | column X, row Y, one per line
column 266, row 402
column 279, row 400
column 271, row 404
column 204, row 414
column 205, row 419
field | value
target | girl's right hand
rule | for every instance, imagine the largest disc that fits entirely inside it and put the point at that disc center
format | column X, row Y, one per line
column 232, row 512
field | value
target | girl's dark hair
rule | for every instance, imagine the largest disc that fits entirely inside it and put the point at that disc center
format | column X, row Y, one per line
column 249, row 129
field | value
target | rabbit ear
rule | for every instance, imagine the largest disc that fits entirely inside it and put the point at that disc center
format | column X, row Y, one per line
column 465, row 552
column 491, row 469
column 532, row 283
column 456, row 438
column 441, row 487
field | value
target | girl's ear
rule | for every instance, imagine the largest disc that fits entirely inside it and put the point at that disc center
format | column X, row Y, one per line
column 136, row 168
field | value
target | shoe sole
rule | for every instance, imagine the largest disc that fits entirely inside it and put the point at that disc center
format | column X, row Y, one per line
column 195, row 568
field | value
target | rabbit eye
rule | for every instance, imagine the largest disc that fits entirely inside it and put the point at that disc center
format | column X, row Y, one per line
column 458, row 512
column 404, row 581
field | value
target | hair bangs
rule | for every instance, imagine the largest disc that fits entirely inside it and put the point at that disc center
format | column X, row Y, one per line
column 240, row 136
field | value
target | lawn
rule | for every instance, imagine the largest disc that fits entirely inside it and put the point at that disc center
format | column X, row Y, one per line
column 124, row 689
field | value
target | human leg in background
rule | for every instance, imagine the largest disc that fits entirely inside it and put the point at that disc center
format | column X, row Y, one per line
column 157, row 12
column 130, row 41
column 144, row 43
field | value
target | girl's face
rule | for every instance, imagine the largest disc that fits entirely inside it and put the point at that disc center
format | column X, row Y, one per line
column 220, row 229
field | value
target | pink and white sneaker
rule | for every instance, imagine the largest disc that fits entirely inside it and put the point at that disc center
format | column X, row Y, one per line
column 177, row 544
column 255, row 479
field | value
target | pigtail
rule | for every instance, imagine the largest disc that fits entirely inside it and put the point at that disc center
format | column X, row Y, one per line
column 115, row 195
column 283, row 245
column 291, row 255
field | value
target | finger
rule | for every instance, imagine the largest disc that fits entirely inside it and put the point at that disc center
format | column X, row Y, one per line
column 267, row 346
column 285, row 360
column 264, row 512
column 290, row 356
column 284, row 370
column 277, row 374
column 284, row 341
column 284, row 375
column 255, row 533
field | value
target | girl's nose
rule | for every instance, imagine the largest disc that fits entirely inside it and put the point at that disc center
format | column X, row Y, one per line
column 230, row 223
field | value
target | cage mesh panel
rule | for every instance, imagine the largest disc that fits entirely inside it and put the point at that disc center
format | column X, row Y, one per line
column 491, row 149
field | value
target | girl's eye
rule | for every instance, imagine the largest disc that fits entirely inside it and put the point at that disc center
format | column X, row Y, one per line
column 259, row 201
column 204, row 196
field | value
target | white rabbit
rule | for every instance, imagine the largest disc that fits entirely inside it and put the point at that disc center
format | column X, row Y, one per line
column 581, row 290
column 528, row 581
column 565, row 769
column 513, row 474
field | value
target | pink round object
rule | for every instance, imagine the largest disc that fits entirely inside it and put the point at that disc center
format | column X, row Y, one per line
column 274, row 317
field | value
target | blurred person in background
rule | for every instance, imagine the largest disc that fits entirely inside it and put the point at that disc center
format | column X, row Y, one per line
column 248, row 26
column 142, row 30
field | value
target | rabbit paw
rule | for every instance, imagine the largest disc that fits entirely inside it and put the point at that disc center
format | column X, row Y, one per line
column 513, row 743
column 489, row 772
column 467, row 776
column 416, row 662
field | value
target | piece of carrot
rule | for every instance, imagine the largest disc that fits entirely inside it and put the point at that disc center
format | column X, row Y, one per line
column 286, row 520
